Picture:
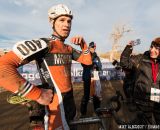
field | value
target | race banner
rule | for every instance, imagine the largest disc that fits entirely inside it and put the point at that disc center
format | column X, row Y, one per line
column 109, row 72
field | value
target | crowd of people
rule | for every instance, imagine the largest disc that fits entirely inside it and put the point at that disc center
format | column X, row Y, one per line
column 52, row 103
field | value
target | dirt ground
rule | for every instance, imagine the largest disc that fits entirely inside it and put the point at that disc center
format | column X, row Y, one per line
column 15, row 117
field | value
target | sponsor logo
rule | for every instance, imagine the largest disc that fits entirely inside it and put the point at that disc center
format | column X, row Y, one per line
column 61, row 59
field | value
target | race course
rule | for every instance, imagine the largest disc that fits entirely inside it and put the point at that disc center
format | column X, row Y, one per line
column 15, row 117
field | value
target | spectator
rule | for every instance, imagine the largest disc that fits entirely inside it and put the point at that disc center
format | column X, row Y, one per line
column 86, row 76
column 147, row 79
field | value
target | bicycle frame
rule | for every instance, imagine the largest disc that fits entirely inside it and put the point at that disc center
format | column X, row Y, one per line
column 102, row 115
column 89, row 120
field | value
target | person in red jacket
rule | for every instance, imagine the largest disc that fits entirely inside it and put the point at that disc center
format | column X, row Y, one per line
column 53, row 58
column 146, row 87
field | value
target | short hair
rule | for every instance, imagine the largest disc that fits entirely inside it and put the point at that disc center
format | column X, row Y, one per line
column 156, row 42
column 92, row 44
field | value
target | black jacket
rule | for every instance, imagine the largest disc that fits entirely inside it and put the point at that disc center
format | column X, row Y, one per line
column 96, row 62
column 88, row 68
column 141, row 64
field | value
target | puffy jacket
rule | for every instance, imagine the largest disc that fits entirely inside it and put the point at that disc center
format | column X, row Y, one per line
column 141, row 63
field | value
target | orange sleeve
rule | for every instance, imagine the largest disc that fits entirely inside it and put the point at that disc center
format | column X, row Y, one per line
column 11, row 80
column 85, row 56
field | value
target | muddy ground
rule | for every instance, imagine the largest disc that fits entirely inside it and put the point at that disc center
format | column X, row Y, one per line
column 15, row 117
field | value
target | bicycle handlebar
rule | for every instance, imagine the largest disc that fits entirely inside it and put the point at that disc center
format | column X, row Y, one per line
column 89, row 120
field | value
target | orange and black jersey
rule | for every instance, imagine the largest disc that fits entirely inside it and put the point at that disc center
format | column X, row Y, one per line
column 53, row 59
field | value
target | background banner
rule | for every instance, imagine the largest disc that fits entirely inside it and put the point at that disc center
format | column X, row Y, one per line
column 109, row 72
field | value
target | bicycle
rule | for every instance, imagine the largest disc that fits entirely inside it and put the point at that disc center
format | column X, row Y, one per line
column 103, row 115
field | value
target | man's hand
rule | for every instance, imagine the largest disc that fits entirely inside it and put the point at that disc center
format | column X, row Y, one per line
column 46, row 97
column 77, row 40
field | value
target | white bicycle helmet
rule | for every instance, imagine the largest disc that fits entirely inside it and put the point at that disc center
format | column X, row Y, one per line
column 58, row 10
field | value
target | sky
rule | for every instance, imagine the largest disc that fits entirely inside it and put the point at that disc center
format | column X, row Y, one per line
column 95, row 20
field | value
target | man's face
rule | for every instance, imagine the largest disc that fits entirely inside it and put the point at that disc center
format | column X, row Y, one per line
column 154, row 51
column 62, row 26
column 92, row 49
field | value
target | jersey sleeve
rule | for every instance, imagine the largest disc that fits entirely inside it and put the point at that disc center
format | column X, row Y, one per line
column 10, row 78
column 83, row 56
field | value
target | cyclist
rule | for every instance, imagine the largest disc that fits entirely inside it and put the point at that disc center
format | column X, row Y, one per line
column 53, row 58
column 86, row 76
column 147, row 79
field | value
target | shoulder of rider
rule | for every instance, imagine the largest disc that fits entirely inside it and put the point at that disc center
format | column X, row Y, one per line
column 27, row 48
